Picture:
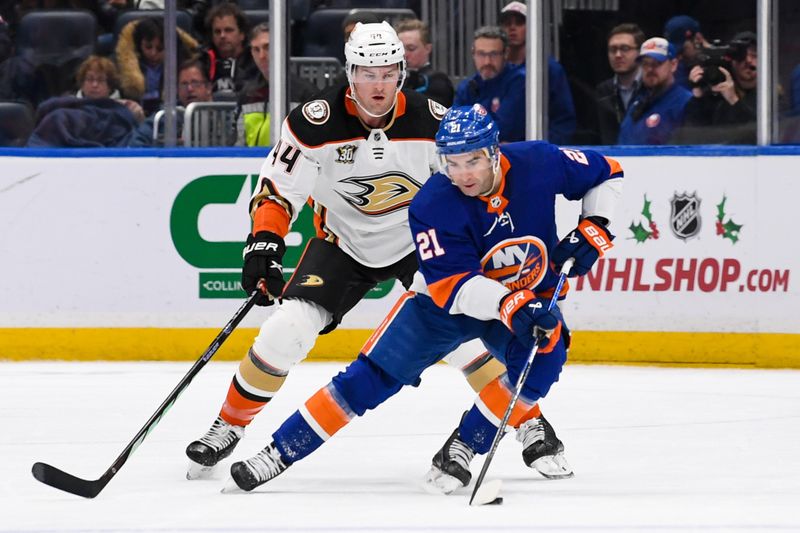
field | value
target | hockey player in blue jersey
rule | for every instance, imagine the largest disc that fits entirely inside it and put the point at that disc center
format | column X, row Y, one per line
column 488, row 253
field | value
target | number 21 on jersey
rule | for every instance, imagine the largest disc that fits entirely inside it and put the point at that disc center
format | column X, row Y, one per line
column 428, row 245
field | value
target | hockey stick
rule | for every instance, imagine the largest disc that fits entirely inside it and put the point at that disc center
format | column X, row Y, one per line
column 491, row 491
column 50, row 475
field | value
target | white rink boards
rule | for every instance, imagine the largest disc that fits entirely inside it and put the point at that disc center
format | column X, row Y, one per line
column 654, row 449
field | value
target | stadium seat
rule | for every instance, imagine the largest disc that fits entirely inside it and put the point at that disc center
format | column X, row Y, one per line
column 56, row 37
column 255, row 16
column 391, row 15
column 320, row 71
column 255, row 5
column 16, row 123
column 54, row 43
column 385, row 4
column 322, row 36
column 183, row 19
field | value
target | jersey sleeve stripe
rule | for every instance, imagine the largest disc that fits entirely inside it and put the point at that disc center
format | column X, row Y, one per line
column 441, row 291
column 616, row 169
column 271, row 217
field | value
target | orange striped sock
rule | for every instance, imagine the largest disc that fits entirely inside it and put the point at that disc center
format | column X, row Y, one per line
column 241, row 407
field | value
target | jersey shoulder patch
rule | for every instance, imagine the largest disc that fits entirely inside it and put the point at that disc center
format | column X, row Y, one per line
column 323, row 120
column 436, row 109
column 317, row 111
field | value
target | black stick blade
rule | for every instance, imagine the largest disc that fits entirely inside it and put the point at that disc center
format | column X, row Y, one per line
column 50, row 475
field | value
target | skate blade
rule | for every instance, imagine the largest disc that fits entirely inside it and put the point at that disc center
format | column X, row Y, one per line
column 553, row 467
column 230, row 487
column 196, row 471
column 488, row 493
column 437, row 482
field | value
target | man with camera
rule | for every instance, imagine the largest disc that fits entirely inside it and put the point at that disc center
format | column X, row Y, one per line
column 723, row 107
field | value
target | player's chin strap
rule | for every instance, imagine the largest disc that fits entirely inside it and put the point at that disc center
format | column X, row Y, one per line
column 352, row 96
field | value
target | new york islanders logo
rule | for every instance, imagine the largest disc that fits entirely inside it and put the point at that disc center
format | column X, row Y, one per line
column 517, row 263
column 381, row 194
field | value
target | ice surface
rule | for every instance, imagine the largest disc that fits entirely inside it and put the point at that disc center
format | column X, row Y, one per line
column 658, row 449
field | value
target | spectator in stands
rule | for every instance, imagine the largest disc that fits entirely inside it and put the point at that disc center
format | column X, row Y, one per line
column 91, row 118
column 615, row 94
column 497, row 86
column 657, row 113
column 513, row 20
column 560, row 107
column 683, row 32
column 193, row 86
column 725, row 112
column 252, row 112
column 228, row 61
column 140, row 56
column 98, row 77
column 420, row 75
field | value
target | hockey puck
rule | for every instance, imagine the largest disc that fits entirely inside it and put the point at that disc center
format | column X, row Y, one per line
column 496, row 501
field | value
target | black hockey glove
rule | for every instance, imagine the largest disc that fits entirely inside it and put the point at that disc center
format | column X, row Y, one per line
column 527, row 317
column 586, row 243
column 263, row 254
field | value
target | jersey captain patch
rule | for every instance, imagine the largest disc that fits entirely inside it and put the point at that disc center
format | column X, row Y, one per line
column 317, row 111
column 381, row 194
column 518, row 263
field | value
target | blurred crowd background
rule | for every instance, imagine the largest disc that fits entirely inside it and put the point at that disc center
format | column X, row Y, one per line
column 90, row 73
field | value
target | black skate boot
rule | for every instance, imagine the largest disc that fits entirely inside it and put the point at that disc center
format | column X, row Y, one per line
column 542, row 450
column 211, row 448
column 450, row 468
column 257, row 470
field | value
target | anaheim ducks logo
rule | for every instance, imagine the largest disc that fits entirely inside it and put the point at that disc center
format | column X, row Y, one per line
column 381, row 194
column 312, row 280
column 518, row 263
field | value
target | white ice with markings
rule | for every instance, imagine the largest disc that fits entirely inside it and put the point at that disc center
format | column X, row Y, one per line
column 653, row 449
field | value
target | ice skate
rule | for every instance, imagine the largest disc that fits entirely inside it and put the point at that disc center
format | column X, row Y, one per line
column 257, row 470
column 450, row 468
column 542, row 450
column 217, row 444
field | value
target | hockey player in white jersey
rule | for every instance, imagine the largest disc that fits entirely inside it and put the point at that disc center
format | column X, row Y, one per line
column 359, row 153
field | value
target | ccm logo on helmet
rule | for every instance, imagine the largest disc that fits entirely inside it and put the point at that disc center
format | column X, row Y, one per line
column 259, row 246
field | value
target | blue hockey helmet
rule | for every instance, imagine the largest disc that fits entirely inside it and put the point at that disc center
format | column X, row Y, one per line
column 466, row 129
column 469, row 129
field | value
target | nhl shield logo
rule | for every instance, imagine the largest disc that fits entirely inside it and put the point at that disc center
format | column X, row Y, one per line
column 685, row 215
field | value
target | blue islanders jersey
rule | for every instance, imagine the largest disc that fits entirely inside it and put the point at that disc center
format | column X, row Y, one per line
column 506, row 237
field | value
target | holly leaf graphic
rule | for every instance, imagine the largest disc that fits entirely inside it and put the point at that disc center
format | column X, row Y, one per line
column 721, row 208
column 646, row 209
column 731, row 231
column 639, row 232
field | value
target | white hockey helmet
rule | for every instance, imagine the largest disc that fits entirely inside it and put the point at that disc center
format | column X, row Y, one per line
column 374, row 45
